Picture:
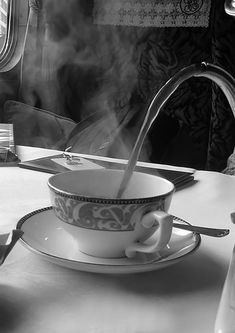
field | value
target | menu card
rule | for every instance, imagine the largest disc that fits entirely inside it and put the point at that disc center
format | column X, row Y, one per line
column 59, row 163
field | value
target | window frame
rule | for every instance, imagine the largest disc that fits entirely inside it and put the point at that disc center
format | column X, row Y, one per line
column 14, row 42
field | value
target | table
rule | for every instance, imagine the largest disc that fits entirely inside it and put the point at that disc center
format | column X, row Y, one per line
column 38, row 296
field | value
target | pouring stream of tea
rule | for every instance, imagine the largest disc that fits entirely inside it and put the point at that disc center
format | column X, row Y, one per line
column 218, row 75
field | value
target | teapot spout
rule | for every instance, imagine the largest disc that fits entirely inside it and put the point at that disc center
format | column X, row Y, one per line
column 215, row 73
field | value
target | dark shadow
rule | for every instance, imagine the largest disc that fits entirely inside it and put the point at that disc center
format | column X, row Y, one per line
column 197, row 272
column 14, row 305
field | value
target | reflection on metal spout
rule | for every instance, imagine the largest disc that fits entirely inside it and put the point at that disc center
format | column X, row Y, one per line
column 229, row 7
column 218, row 75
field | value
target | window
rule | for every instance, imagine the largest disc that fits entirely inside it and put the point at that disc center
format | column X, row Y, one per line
column 13, row 22
column 4, row 10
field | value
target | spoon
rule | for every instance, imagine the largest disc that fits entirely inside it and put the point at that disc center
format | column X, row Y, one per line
column 200, row 230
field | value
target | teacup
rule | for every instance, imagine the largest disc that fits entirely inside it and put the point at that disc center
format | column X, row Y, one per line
column 109, row 227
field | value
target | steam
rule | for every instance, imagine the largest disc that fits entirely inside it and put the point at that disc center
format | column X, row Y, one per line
column 86, row 67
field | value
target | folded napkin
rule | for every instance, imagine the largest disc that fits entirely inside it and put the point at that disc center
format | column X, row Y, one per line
column 7, row 242
column 152, row 13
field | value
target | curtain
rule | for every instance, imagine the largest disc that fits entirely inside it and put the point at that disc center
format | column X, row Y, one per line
column 222, row 128
column 38, row 70
column 30, row 72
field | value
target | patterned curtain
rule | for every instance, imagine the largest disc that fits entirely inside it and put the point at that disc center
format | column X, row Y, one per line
column 222, row 129
column 38, row 72
column 168, row 35
column 171, row 38
column 31, row 60
column 148, row 13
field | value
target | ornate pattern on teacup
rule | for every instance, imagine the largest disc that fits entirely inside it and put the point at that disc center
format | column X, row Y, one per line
column 99, row 216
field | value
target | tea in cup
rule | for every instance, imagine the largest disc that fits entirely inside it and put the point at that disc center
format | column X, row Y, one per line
column 110, row 227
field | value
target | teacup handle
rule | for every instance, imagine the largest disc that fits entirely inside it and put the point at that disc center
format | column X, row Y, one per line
column 164, row 222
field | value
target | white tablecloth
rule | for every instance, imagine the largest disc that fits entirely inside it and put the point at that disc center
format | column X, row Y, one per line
column 38, row 296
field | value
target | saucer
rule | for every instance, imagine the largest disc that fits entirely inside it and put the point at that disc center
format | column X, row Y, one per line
column 43, row 234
